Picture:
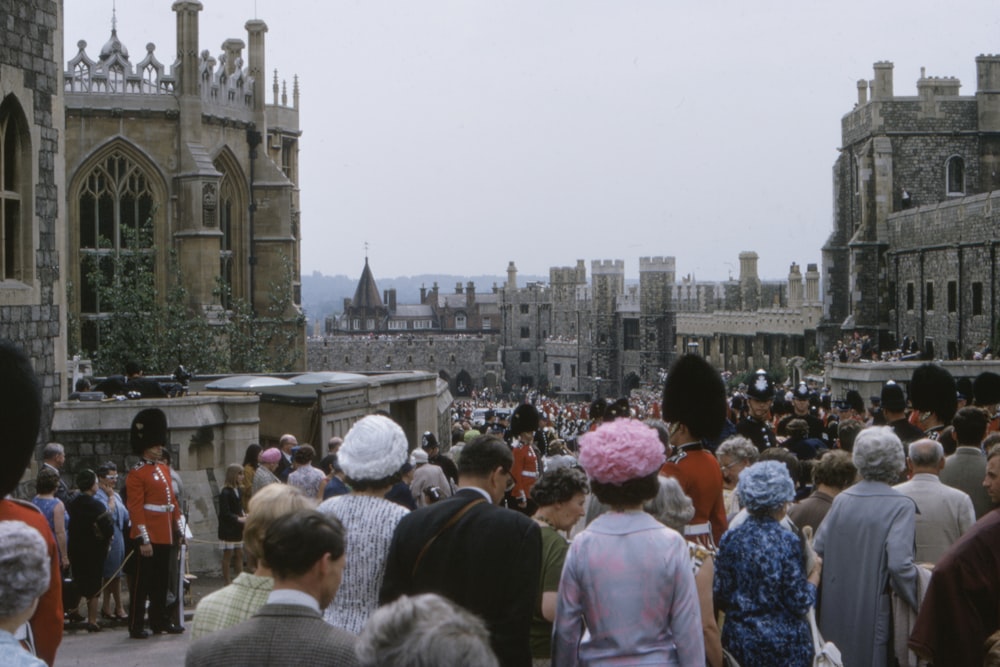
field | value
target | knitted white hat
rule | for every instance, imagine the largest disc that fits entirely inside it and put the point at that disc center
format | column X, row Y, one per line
column 374, row 448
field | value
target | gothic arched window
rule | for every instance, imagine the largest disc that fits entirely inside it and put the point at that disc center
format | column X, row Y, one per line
column 116, row 208
column 15, row 194
column 956, row 175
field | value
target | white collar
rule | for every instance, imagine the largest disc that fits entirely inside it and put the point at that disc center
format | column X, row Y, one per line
column 294, row 597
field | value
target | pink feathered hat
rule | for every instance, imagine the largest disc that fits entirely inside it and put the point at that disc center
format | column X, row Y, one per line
column 621, row 450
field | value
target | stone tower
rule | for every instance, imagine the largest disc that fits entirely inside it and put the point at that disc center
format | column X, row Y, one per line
column 656, row 313
column 608, row 284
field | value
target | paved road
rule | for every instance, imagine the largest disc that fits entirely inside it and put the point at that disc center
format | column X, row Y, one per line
column 113, row 648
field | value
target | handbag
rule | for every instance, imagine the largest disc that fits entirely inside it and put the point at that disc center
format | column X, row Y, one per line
column 825, row 654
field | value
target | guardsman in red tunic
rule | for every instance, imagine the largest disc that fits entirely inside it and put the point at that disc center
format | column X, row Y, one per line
column 156, row 525
column 694, row 406
column 20, row 418
column 523, row 424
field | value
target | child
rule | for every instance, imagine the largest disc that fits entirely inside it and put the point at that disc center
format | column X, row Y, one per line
column 231, row 520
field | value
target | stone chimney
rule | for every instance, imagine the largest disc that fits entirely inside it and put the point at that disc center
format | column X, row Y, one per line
column 862, row 92
column 883, row 81
column 794, row 286
column 470, row 294
column 511, row 276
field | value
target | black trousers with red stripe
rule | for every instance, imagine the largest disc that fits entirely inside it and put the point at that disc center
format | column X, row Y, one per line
column 149, row 582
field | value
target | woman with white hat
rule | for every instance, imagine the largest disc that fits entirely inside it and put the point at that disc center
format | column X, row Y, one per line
column 371, row 457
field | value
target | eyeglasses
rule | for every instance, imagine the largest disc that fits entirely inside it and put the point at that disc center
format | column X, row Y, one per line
column 730, row 465
column 111, row 478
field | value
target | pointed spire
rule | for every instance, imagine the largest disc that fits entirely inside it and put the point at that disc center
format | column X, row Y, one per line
column 274, row 88
column 295, row 92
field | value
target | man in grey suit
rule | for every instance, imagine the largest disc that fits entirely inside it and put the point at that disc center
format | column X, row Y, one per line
column 944, row 513
column 483, row 557
column 305, row 550
column 964, row 470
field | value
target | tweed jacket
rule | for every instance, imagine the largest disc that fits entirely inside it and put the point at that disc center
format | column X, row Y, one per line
column 964, row 470
column 278, row 634
column 943, row 514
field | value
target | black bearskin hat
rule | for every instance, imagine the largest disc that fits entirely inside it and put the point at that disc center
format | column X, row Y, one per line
column 761, row 386
column 149, row 428
column 524, row 420
column 854, row 401
column 986, row 388
column 965, row 389
column 694, row 395
column 933, row 389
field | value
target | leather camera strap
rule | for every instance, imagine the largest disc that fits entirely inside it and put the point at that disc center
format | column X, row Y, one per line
column 451, row 522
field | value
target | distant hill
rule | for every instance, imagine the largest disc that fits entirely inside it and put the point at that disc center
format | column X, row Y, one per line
column 324, row 295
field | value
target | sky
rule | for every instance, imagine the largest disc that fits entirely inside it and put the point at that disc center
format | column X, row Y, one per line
column 455, row 136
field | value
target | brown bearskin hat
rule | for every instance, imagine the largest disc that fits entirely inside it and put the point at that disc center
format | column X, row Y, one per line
column 149, row 428
column 933, row 389
column 694, row 395
column 524, row 420
column 986, row 388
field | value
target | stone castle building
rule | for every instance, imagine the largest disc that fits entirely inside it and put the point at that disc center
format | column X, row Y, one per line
column 913, row 252
column 575, row 336
column 187, row 156
column 32, row 190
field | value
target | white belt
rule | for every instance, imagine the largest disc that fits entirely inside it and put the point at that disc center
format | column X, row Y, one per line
column 159, row 508
column 525, row 473
column 698, row 529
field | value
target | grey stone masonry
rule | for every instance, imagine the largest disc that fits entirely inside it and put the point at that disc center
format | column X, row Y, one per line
column 31, row 311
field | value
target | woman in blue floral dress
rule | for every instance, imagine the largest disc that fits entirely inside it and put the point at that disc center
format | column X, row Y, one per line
column 759, row 579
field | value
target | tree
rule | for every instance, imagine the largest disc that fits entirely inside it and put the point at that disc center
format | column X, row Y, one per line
column 162, row 333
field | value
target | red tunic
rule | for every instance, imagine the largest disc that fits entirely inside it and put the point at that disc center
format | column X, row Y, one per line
column 701, row 478
column 150, row 493
column 524, row 471
column 47, row 623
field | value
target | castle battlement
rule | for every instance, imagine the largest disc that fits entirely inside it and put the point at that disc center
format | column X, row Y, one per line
column 607, row 267
column 657, row 264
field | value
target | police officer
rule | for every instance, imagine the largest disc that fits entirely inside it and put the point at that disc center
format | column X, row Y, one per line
column 756, row 426
column 800, row 410
column 156, row 525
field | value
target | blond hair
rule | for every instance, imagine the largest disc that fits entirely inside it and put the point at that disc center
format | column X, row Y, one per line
column 270, row 503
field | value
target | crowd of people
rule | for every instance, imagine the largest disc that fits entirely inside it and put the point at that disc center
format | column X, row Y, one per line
column 723, row 528
column 691, row 528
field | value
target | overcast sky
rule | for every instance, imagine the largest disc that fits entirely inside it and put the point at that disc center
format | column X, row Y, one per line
column 455, row 136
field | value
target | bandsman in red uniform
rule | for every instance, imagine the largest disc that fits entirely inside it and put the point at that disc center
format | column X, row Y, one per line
column 694, row 405
column 20, row 418
column 156, row 525
column 523, row 424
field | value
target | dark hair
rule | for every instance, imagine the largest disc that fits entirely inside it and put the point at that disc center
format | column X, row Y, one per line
column 106, row 468
column 483, row 455
column 970, row 425
column 21, row 398
column 132, row 368
column 327, row 462
column 367, row 484
column 85, row 479
column 304, row 454
column 847, row 433
column 296, row 541
column 835, row 468
column 251, row 456
column 47, row 481
column 82, row 384
column 633, row 492
column 559, row 486
column 782, row 455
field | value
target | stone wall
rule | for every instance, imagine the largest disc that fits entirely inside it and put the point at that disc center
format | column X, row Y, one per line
column 952, row 242
column 31, row 297
column 453, row 355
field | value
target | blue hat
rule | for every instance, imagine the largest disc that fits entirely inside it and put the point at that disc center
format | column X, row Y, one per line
column 765, row 485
